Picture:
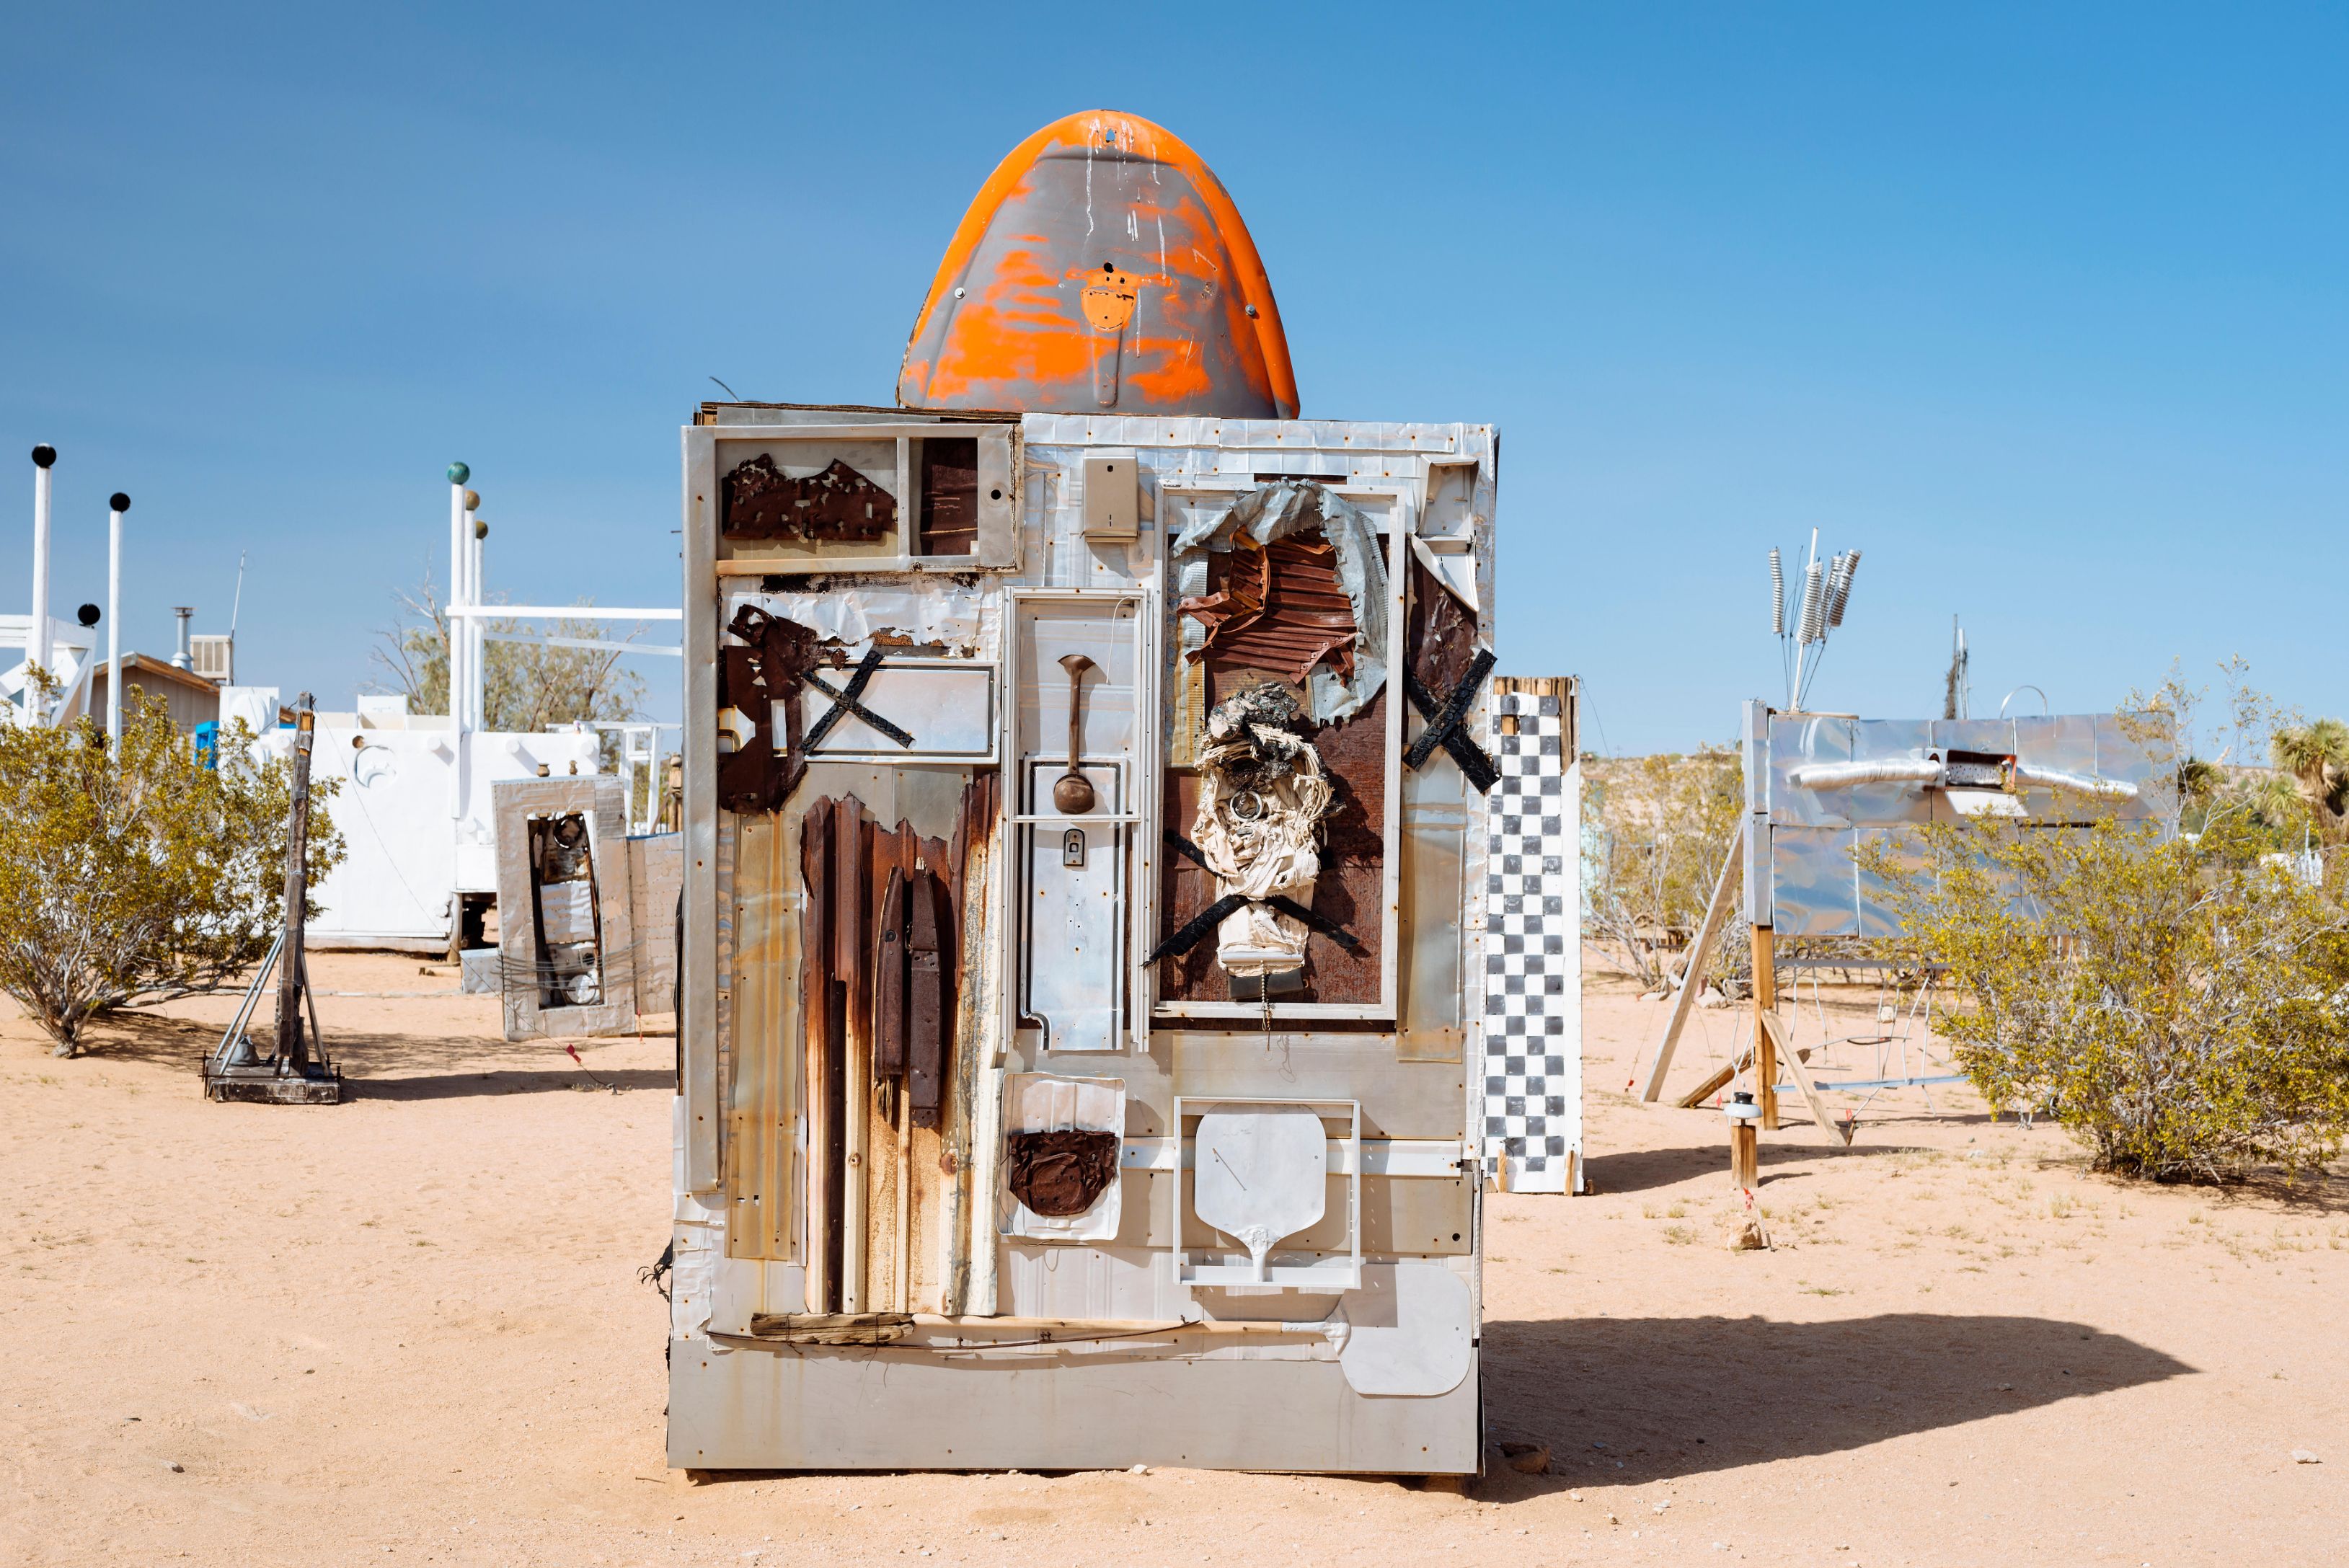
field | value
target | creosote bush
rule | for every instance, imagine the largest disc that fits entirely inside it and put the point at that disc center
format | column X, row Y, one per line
column 1654, row 830
column 2178, row 999
column 137, row 880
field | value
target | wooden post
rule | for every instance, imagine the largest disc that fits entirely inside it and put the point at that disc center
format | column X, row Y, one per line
column 1765, row 1043
column 1744, row 1154
column 292, row 1056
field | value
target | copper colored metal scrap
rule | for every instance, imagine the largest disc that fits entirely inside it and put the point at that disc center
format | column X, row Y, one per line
column 889, row 1003
column 1281, row 607
column 929, row 954
column 1058, row 1174
column 753, row 680
column 837, row 506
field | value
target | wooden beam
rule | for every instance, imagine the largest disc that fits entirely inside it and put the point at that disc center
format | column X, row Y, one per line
column 1775, row 1031
column 1720, row 1076
column 1765, row 1007
column 1716, row 915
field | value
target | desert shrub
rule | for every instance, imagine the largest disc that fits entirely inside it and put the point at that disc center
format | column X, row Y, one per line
column 2175, row 998
column 136, row 879
column 1654, row 832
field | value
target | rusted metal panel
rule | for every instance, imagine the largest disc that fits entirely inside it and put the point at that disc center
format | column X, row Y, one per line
column 762, row 1098
column 889, row 1022
column 821, row 1010
column 759, row 686
column 1060, row 1173
column 1440, row 634
column 928, row 1011
column 947, row 520
column 835, row 505
column 1280, row 607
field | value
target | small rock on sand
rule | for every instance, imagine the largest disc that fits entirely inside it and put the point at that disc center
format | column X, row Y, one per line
column 2299, row 1457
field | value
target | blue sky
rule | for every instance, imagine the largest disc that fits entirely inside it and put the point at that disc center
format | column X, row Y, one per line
column 2042, row 307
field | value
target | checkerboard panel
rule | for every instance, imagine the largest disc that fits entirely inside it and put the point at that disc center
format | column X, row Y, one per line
column 1533, row 1040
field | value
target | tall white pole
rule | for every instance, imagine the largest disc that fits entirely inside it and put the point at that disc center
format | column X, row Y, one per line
column 37, row 640
column 476, row 651
column 458, row 474
column 116, row 505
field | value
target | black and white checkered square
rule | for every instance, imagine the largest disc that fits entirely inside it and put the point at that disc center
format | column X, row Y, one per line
column 1533, row 1066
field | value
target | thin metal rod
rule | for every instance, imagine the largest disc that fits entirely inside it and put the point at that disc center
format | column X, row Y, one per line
column 113, row 630
column 37, row 643
column 570, row 612
column 456, row 647
column 590, row 642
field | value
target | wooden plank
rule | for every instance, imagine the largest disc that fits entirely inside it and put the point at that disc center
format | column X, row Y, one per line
column 1722, row 1076
column 1716, row 915
column 1765, row 1007
column 1774, row 1029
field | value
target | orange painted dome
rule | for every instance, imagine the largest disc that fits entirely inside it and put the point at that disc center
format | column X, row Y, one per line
column 1102, row 269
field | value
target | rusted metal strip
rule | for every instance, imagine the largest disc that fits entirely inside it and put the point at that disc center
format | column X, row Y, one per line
column 889, row 963
column 928, row 1009
column 816, row 1010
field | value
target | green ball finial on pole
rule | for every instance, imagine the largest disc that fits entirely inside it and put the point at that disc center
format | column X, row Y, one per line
column 459, row 473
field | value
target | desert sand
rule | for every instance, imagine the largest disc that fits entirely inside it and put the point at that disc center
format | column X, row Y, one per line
column 410, row 1329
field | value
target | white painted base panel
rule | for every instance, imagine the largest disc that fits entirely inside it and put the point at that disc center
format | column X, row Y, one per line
column 886, row 1410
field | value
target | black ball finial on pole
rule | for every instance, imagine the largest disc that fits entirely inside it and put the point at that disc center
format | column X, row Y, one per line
column 43, row 455
column 119, row 501
column 87, row 615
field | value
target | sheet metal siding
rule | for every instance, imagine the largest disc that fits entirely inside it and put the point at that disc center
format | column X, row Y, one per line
column 1816, row 886
column 755, row 1408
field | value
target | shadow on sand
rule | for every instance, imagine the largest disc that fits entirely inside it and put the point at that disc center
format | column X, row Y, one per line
column 1624, row 1400
column 395, row 1067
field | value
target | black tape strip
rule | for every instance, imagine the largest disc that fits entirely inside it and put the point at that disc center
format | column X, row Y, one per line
column 1189, row 850
column 845, row 702
column 1440, row 725
column 1205, row 921
column 1288, row 906
column 1321, row 923
column 1477, row 767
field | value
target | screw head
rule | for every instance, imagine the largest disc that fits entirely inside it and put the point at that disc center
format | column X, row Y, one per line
column 43, row 455
column 459, row 473
column 119, row 501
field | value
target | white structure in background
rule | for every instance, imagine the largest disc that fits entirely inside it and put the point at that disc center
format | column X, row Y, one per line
column 415, row 808
column 40, row 638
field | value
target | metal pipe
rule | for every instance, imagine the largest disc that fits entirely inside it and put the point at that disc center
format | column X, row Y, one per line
column 2079, row 783
column 117, row 504
column 1881, row 770
column 36, row 641
column 180, row 657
